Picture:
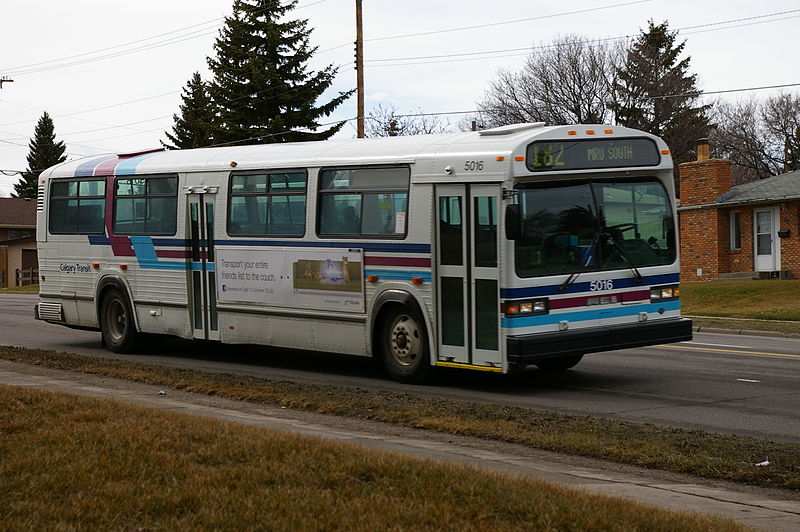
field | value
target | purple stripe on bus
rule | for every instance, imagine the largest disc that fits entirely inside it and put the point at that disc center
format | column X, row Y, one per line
column 121, row 246
column 621, row 297
column 173, row 254
column 421, row 262
column 87, row 169
column 106, row 168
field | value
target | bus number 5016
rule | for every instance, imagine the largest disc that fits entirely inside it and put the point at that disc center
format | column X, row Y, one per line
column 605, row 284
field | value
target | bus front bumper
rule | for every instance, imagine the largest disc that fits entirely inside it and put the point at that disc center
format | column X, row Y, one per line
column 528, row 349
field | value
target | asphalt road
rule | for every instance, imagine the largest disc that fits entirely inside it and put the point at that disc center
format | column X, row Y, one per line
column 725, row 383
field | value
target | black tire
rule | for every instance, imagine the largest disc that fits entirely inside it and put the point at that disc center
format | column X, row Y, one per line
column 404, row 346
column 117, row 323
column 559, row 364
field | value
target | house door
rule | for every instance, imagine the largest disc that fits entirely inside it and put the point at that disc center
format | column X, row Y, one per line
column 467, row 266
column 765, row 240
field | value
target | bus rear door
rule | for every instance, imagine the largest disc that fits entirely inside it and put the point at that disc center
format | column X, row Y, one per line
column 202, row 277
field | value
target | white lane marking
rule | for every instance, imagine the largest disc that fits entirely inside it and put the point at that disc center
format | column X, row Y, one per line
column 718, row 345
column 747, row 380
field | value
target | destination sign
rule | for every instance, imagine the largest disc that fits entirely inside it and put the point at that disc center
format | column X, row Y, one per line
column 591, row 153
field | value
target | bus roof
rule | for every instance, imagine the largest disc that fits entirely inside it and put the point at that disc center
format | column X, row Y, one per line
column 505, row 141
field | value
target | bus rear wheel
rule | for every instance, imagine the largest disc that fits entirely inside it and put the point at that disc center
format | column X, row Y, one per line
column 404, row 341
column 117, row 324
column 559, row 364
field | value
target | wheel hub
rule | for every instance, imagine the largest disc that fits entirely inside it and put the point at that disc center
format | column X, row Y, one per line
column 405, row 340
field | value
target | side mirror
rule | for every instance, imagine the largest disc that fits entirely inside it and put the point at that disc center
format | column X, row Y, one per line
column 513, row 222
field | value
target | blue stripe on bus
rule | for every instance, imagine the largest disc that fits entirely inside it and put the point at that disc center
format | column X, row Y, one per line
column 398, row 275
column 146, row 255
column 128, row 166
column 144, row 248
column 375, row 247
column 553, row 290
column 172, row 242
column 87, row 169
column 584, row 315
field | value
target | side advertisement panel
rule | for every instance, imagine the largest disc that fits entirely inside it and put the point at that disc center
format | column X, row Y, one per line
column 308, row 278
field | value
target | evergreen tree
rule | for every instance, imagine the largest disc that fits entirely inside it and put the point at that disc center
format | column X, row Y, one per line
column 262, row 89
column 192, row 128
column 43, row 153
column 655, row 93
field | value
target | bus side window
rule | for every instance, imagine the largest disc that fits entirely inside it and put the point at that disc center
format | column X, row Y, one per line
column 77, row 207
column 364, row 202
column 146, row 205
column 267, row 204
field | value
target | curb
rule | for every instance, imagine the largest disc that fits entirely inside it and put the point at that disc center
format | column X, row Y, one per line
column 745, row 332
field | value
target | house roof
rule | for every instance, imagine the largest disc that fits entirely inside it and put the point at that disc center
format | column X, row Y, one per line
column 775, row 188
column 18, row 241
column 17, row 212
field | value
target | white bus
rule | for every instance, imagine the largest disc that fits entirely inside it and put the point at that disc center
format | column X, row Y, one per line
column 491, row 251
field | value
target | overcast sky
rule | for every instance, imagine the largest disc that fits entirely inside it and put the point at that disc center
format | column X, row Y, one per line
column 110, row 73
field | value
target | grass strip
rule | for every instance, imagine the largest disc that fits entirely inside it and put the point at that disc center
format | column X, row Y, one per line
column 27, row 289
column 743, row 324
column 704, row 454
column 765, row 300
column 78, row 463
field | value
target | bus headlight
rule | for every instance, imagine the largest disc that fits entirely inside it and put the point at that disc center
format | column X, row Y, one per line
column 513, row 309
column 665, row 293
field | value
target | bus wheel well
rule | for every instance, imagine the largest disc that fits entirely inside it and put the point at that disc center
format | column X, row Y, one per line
column 400, row 342
column 386, row 304
column 117, row 323
column 114, row 287
column 108, row 284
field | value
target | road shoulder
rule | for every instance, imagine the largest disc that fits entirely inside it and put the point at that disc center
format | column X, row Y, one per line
column 757, row 507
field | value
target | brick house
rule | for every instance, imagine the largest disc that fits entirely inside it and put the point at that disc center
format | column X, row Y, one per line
column 18, row 256
column 748, row 231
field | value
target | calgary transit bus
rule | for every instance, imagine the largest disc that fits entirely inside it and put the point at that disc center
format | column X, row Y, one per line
column 491, row 251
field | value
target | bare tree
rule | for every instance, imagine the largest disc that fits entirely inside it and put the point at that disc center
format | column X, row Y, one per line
column 385, row 121
column 761, row 138
column 569, row 81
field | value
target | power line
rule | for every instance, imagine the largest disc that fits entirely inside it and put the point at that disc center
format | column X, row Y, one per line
column 541, row 17
column 31, row 68
column 115, row 47
column 103, row 108
column 515, row 21
column 725, row 91
column 512, row 51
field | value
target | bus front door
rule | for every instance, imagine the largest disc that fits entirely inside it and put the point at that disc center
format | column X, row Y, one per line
column 202, row 275
column 467, row 275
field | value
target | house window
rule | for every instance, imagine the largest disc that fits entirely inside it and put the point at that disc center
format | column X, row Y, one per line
column 736, row 230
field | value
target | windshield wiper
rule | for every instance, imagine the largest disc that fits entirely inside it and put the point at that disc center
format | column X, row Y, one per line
column 625, row 258
column 585, row 260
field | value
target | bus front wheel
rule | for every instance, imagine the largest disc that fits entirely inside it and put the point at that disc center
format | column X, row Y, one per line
column 559, row 364
column 405, row 352
column 116, row 323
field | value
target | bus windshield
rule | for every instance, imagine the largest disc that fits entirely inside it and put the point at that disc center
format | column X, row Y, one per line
column 583, row 226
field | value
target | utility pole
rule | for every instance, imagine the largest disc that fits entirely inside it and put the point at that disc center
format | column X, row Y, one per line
column 359, row 72
column 5, row 79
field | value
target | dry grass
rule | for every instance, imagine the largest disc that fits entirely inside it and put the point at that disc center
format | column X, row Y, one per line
column 694, row 452
column 768, row 300
column 75, row 463
column 29, row 289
